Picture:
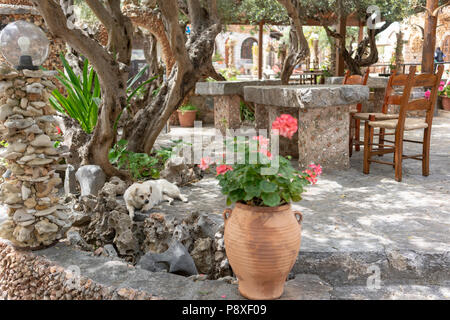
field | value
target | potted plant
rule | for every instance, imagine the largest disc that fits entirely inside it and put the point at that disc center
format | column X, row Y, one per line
column 444, row 93
column 186, row 115
column 262, row 233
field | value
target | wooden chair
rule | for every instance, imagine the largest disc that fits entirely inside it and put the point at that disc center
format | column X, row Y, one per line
column 355, row 123
column 403, row 123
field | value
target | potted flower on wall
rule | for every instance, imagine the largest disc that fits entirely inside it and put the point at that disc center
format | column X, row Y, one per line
column 186, row 115
column 262, row 233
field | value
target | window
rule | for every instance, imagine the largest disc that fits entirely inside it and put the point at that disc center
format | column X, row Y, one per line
column 246, row 49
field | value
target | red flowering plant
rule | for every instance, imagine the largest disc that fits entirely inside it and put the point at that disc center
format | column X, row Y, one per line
column 260, row 178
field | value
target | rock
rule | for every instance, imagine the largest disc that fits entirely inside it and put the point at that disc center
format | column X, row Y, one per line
column 39, row 162
column 114, row 187
column 149, row 262
column 42, row 141
column 203, row 255
column 23, row 234
column 7, row 174
column 44, row 226
column 17, row 147
column 76, row 240
column 46, row 212
column 26, row 192
column 70, row 185
column 5, row 112
column 177, row 258
column 35, row 88
column 21, row 216
column 18, row 123
column 91, row 179
column 33, row 129
column 110, row 251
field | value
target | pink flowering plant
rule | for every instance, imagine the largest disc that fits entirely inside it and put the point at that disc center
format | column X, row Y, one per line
column 444, row 89
column 250, row 182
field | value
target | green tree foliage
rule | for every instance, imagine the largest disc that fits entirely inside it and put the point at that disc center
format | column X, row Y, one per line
column 252, row 11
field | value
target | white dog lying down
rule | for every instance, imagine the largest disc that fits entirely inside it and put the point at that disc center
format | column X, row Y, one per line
column 144, row 196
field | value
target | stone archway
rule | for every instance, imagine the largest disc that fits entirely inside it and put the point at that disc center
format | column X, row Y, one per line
column 446, row 47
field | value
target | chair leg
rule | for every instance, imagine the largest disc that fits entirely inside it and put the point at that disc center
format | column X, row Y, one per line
column 368, row 140
column 357, row 134
column 381, row 140
column 398, row 157
column 426, row 152
column 350, row 137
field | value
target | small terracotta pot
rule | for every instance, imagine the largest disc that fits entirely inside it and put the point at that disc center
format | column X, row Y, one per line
column 446, row 103
column 187, row 118
column 262, row 245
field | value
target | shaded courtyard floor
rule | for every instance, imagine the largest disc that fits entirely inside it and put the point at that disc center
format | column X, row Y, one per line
column 355, row 226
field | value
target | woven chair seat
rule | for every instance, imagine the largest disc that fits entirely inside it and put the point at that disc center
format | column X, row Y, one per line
column 410, row 124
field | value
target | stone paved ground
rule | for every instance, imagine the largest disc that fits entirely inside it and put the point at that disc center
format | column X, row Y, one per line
column 352, row 222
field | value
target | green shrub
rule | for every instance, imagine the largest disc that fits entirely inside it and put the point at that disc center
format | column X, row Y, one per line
column 83, row 95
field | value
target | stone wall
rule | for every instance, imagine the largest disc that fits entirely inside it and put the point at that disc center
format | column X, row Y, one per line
column 26, row 276
column 35, row 217
column 414, row 43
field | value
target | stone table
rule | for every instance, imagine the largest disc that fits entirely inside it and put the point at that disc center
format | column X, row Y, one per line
column 323, row 115
column 228, row 96
column 377, row 85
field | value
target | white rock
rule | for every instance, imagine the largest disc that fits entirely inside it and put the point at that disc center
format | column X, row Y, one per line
column 26, row 192
column 5, row 112
column 46, row 212
column 21, row 216
column 18, row 124
column 33, row 129
column 35, row 88
column 39, row 162
column 42, row 141
column 45, row 227
column 38, row 104
column 22, row 234
column 24, row 103
column 17, row 146
column 5, row 85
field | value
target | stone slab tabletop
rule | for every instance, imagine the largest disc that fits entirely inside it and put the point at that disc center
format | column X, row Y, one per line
column 372, row 82
column 226, row 88
column 306, row 96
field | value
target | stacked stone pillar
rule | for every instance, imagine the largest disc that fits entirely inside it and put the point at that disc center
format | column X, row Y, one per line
column 28, row 191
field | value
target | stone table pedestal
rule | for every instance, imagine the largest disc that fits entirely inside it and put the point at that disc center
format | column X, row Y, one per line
column 323, row 117
column 228, row 96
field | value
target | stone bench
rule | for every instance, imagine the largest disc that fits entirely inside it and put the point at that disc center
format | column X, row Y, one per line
column 228, row 96
column 323, row 118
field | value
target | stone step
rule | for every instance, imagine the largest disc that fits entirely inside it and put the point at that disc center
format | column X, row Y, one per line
column 395, row 267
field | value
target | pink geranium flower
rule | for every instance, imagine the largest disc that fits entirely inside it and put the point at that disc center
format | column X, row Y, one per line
column 205, row 163
column 317, row 168
column 286, row 125
column 427, row 94
column 222, row 169
column 266, row 153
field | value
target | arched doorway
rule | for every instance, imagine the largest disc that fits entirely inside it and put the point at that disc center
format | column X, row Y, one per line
column 246, row 49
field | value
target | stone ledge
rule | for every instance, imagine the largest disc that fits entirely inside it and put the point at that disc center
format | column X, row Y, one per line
column 304, row 97
column 226, row 88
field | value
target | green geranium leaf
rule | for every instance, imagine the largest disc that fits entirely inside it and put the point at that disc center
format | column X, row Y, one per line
column 267, row 186
column 271, row 199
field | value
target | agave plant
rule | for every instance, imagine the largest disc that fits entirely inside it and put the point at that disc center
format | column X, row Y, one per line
column 83, row 95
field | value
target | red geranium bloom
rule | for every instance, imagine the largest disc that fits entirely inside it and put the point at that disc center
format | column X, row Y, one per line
column 59, row 130
column 222, row 169
column 286, row 125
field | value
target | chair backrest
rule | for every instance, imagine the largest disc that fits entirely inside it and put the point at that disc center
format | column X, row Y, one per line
column 431, row 81
column 356, row 79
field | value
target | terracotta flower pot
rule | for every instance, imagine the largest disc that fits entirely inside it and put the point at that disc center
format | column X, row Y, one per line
column 187, row 118
column 446, row 103
column 262, row 245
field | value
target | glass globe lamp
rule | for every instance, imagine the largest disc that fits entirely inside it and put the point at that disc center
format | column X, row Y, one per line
column 24, row 45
